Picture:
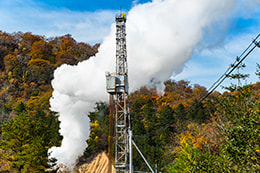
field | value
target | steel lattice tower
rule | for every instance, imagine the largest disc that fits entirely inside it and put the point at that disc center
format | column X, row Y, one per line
column 117, row 85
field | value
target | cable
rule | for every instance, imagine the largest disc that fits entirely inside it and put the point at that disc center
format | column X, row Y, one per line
column 229, row 70
column 224, row 75
column 213, row 87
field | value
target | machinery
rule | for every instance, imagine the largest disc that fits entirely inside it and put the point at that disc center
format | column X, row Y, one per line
column 117, row 87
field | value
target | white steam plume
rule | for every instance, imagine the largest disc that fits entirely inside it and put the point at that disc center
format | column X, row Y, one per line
column 161, row 37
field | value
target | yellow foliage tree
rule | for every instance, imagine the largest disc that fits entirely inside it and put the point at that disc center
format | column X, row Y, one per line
column 42, row 50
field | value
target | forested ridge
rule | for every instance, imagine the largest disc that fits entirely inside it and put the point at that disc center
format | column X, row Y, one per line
column 28, row 127
column 176, row 132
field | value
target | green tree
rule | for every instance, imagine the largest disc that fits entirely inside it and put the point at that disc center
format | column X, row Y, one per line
column 237, row 76
column 236, row 120
column 99, row 129
column 197, row 112
column 151, row 129
column 191, row 159
column 238, row 117
column 26, row 139
column 19, row 107
column 166, row 119
column 258, row 70
column 138, row 127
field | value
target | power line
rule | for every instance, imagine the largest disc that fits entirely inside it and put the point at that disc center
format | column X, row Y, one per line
column 232, row 67
column 214, row 86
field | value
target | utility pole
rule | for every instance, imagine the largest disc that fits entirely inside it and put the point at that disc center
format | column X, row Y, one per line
column 117, row 86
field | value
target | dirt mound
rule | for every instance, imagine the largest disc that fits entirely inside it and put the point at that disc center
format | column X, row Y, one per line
column 99, row 164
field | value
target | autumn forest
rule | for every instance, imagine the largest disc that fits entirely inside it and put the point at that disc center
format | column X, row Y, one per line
column 177, row 132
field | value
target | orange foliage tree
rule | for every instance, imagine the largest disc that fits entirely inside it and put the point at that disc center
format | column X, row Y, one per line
column 42, row 50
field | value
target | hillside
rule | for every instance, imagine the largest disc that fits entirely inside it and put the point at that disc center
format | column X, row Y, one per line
column 178, row 131
column 27, row 63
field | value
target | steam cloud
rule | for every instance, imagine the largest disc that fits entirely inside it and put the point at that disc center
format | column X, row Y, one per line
column 161, row 37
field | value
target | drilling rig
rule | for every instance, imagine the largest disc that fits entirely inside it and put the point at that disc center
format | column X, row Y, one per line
column 117, row 87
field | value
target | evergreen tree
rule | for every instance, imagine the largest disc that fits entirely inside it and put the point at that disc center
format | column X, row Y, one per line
column 197, row 112
column 98, row 140
column 237, row 76
column 258, row 70
column 236, row 120
column 26, row 139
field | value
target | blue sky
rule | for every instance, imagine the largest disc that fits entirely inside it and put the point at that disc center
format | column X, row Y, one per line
column 91, row 5
column 90, row 21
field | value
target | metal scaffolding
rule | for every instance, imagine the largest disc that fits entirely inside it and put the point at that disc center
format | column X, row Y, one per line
column 117, row 86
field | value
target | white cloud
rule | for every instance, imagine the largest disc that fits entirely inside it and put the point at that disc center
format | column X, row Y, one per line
column 207, row 66
column 219, row 48
column 31, row 17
